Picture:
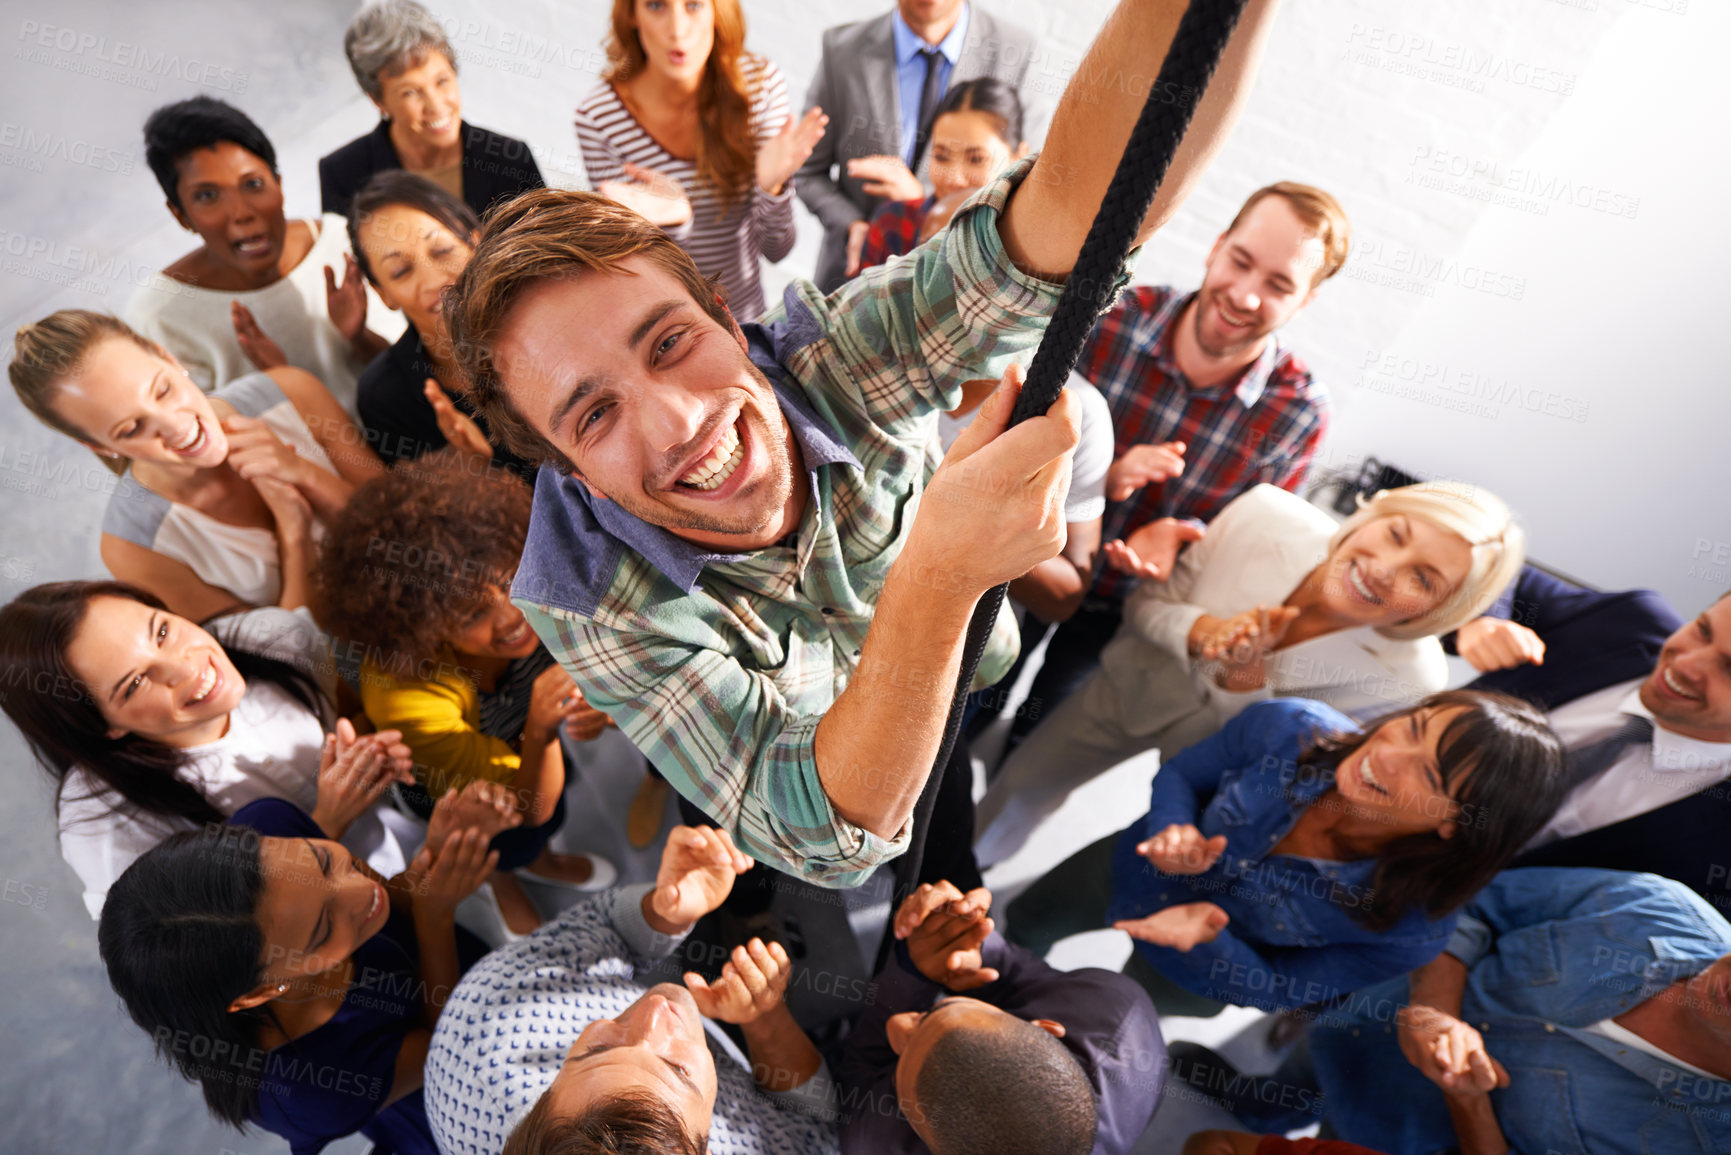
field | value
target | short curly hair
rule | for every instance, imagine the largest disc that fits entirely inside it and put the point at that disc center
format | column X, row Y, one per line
column 415, row 550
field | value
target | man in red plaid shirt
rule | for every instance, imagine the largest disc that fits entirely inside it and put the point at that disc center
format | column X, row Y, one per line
column 1206, row 403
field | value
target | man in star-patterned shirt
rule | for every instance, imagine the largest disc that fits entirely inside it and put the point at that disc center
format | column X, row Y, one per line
column 1207, row 403
column 586, row 1024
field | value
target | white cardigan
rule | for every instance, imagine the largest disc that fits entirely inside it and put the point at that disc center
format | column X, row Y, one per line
column 1256, row 552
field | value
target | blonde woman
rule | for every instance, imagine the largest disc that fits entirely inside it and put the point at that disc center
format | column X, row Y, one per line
column 221, row 497
column 1277, row 600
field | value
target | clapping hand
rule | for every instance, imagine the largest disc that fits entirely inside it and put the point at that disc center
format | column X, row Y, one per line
column 1447, row 1051
column 886, row 176
column 654, row 196
column 457, row 427
column 1144, row 465
column 1181, row 849
column 944, row 930
column 347, row 303
column 1151, row 551
column 489, row 807
column 444, row 877
column 697, row 871
column 1495, row 644
column 1222, row 639
column 1181, row 927
column 255, row 451
column 779, row 157
column 263, row 352
column 753, row 982
column 354, row 771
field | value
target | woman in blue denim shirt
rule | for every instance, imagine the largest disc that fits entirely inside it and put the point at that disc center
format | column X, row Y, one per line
column 1295, row 857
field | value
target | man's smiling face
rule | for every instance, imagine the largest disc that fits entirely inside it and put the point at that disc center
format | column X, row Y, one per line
column 655, row 404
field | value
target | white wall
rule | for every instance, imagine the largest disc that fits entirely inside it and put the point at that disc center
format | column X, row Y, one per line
column 1464, row 338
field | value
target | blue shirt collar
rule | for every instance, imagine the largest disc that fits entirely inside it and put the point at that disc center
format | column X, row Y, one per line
column 908, row 42
column 576, row 541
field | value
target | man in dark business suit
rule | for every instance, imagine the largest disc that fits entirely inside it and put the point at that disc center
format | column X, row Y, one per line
column 1642, row 701
column 880, row 81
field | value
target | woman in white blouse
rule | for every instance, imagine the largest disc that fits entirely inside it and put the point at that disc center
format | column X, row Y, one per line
column 693, row 132
column 220, row 497
column 151, row 725
column 1277, row 599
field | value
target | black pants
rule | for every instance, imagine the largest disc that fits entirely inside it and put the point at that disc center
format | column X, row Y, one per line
column 1072, row 654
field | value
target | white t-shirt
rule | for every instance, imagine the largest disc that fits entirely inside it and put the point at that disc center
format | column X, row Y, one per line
column 196, row 325
column 1093, row 458
column 271, row 750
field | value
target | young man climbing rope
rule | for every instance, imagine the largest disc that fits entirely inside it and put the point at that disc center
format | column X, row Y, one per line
column 735, row 552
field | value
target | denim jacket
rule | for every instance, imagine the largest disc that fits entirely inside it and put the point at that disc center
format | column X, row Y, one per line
column 1551, row 952
column 1294, row 937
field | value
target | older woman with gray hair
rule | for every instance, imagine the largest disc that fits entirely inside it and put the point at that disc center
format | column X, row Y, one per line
column 404, row 63
column 1277, row 600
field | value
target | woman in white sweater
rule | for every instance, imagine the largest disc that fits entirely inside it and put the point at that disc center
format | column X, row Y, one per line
column 260, row 291
column 1276, row 600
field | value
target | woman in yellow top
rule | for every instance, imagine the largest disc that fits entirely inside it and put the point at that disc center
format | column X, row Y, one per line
column 414, row 580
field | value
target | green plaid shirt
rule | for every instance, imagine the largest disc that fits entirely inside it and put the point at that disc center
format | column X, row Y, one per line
column 720, row 666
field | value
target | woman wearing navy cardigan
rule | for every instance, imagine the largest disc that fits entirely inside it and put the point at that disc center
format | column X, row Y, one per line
column 1295, row 857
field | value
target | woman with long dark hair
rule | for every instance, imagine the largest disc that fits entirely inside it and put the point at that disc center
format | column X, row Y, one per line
column 412, row 239
column 150, row 725
column 1295, row 857
column 290, row 980
column 693, row 132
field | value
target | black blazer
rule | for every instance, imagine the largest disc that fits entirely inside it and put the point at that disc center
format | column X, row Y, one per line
column 1593, row 640
column 395, row 417
column 495, row 168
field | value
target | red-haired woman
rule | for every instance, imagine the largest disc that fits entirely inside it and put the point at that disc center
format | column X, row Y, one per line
column 693, row 132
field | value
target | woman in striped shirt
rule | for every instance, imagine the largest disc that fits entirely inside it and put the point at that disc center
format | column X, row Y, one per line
column 693, row 132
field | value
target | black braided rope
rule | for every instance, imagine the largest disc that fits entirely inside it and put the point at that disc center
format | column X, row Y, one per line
column 1195, row 52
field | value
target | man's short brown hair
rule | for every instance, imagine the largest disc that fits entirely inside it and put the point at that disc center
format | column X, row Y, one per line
column 626, row 1124
column 545, row 235
column 1319, row 212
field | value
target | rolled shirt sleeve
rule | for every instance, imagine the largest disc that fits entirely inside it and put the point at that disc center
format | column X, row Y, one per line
column 726, row 739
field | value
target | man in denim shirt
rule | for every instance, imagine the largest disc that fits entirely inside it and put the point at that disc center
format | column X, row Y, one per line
column 1574, row 1011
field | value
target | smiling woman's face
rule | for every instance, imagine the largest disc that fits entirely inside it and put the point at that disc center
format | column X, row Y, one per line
column 319, row 904
column 135, row 403
column 1393, row 569
column 153, row 673
column 657, row 1046
column 1395, row 775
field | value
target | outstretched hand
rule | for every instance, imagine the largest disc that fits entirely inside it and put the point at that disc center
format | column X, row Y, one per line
column 779, row 157
column 1181, row 849
column 1182, row 927
column 697, row 871
column 347, row 303
column 1152, row 550
column 263, row 352
column 753, row 982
